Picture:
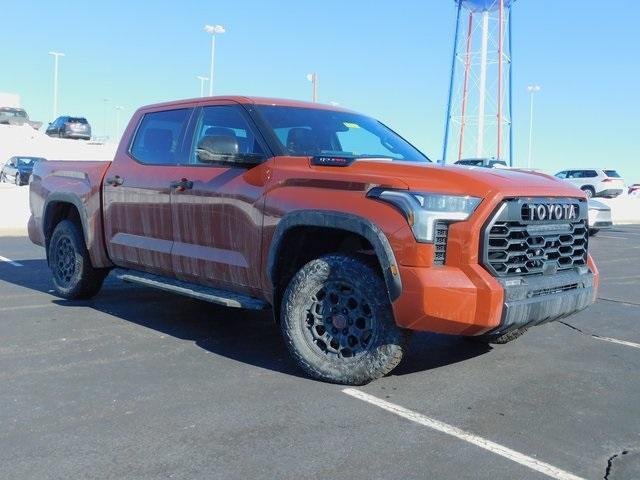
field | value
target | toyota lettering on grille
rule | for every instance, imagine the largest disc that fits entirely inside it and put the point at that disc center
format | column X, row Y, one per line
column 551, row 211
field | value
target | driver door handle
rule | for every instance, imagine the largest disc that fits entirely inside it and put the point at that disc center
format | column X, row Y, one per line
column 182, row 185
column 115, row 181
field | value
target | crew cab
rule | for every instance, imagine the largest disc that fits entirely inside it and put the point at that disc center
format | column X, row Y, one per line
column 348, row 233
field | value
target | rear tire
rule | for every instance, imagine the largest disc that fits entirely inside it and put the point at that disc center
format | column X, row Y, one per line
column 589, row 192
column 337, row 322
column 73, row 275
column 18, row 180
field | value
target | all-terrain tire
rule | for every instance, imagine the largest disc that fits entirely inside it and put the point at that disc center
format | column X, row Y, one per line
column 73, row 275
column 499, row 339
column 338, row 324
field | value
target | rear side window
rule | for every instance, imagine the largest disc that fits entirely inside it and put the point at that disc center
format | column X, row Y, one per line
column 589, row 174
column 611, row 173
column 159, row 138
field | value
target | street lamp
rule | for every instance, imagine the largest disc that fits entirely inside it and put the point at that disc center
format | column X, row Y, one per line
column 56, row 56
column 532, row 89
column 313, row 77
column 213, row 30
column 202, row 80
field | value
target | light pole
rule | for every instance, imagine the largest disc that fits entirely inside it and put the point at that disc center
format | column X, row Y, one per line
column 202, row 80
column 118, row 109
column 532, row 90
column 56, row 56
column 313, row 77
column 213, row 30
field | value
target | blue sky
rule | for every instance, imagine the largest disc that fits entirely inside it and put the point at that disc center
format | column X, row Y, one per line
column 387, row 59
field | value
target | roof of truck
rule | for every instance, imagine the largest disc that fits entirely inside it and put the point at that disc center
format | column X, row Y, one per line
column 248, row 100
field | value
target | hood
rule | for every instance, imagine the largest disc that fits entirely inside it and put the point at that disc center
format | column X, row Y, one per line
column 478, row 182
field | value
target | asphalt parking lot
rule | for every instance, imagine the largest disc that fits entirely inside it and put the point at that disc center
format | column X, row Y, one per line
column 142, row 384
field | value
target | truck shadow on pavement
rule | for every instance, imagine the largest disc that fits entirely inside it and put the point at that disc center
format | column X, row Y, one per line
column 245, row 336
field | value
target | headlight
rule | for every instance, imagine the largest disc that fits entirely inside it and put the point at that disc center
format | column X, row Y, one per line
column 423, row 209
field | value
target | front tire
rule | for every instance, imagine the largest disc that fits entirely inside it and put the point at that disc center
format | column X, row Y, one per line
column 337, row 322
column 73, row 275
column 18, row 180
column 499, row 339
column 593, row 231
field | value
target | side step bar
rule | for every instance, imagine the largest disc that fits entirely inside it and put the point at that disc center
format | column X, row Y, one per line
column 208, row 294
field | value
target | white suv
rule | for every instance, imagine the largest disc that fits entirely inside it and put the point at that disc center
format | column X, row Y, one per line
column 594, row 182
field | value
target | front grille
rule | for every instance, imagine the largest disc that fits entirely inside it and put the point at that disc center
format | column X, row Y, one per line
column 515, row 245
column 441, row 233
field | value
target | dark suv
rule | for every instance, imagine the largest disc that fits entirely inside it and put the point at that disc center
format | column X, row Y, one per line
column 69, row 127
column 18, row 169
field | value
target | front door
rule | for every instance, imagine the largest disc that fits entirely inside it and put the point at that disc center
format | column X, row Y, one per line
column 218, row 213
column 137, row 193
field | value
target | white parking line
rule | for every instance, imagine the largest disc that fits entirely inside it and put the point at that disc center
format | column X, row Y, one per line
column 25, row 307
column 10, row 262
column 615, row 340
column 607, row 236
column 442, row 427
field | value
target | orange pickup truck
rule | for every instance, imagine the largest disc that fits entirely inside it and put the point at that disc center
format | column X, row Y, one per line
column 347, row 232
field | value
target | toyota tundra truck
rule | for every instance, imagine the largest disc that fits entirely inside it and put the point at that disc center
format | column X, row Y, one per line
column 348, row 233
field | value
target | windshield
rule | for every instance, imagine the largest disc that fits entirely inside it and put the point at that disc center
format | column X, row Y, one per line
column 27, row 161
column 309, row 131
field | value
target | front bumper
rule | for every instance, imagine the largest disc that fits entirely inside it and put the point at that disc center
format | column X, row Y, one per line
column 470, row 301
column 530, row 301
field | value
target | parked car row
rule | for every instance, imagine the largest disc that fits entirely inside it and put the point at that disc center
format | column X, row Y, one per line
column 18, row 169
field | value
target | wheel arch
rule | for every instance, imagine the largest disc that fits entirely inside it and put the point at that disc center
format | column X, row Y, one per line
column 62, row 206
column 351, row 225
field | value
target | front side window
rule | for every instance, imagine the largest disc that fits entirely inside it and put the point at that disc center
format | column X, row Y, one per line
column 159, row 137
column 224, row 131
column 309, row 132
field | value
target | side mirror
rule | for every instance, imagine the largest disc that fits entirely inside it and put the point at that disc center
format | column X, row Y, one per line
column 224, row 149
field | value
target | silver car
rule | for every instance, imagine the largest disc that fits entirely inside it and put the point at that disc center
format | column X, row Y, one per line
column 599, row 217
column 69, row 127
column 594, row 182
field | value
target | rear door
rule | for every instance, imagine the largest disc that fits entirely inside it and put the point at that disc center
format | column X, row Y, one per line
column 137, row 192
column 218, row 213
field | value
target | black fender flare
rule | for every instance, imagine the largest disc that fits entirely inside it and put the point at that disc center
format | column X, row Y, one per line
column 63, row 197
column 339, row 221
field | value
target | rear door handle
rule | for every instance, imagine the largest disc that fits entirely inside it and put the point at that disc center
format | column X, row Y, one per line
column 115, row 181
column 182, row 185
